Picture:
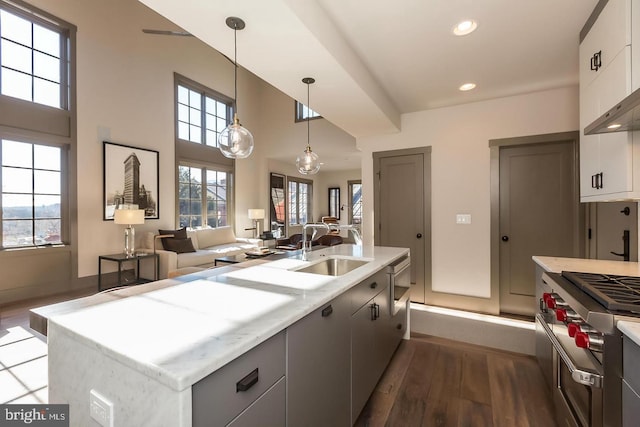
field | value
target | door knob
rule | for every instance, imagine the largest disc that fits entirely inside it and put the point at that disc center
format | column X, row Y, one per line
column 419, row 235
column 505, row 238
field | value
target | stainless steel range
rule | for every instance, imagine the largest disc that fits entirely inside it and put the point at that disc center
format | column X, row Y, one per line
column 578, row 345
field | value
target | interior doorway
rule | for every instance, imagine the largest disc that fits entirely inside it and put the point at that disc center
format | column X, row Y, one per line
column 402, row 206
column 535, row 211
column 612, row 231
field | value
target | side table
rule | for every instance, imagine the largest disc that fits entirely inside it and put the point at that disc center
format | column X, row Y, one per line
column 121, row 259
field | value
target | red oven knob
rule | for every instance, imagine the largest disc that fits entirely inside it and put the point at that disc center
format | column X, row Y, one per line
column 573, row 328
column 561, row 315
column 582, row 339
column 592, row 341
column 549, row 300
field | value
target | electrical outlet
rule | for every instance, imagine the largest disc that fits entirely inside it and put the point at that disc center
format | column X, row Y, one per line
column 101, row 409
column 463, row 219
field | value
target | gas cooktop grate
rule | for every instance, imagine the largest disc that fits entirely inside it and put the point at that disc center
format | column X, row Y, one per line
column 613, row 292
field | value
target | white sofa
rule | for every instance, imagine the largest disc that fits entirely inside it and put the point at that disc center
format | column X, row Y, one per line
column 209, row 243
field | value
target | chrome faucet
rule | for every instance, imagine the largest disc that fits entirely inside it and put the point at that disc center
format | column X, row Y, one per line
column 304, row 235
column 351, row 227
column 329, row 227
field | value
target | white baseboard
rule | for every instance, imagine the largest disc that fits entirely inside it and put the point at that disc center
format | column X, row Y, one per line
column 481, row 329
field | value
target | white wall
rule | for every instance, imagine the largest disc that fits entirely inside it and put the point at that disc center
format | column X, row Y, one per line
column 125, row 87
column 460, row 166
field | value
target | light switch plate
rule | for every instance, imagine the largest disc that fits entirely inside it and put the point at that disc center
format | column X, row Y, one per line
column 100, row 409
column 464, row 219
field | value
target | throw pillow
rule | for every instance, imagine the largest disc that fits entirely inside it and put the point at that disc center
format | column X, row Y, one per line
column 179, row 246
column 177, row 234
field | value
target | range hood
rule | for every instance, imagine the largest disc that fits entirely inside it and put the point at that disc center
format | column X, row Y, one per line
column 624, row 116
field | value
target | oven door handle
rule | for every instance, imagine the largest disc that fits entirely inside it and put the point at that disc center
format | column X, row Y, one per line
column 580, row 376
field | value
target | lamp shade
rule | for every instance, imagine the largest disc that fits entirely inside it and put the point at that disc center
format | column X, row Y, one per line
column 256, row 213
column 128, row 216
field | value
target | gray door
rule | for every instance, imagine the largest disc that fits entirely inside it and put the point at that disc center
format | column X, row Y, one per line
column 402, row 210
column 609, row 223
column 538, row 216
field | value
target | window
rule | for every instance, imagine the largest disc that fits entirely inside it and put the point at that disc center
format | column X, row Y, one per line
column 355, row 202
column 201, row 113
column 202, row 195
column 303, row 112
column 34, row 63
column 37, row 65
column 300, row 195
column 31, row 194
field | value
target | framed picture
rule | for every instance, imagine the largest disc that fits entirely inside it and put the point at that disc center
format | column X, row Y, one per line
column 130, row 180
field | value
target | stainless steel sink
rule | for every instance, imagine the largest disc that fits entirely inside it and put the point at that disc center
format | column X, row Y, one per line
column 333, row 266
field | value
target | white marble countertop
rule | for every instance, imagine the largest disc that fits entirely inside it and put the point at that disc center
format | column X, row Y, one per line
column 179, row 334
column 557, row 265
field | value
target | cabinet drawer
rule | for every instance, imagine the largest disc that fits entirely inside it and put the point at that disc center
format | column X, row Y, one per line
column 219, row 397
column 367, row 289
column 630, row 365
column 268, row 410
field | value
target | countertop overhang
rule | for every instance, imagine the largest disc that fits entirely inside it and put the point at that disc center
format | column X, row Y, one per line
column 180, row 330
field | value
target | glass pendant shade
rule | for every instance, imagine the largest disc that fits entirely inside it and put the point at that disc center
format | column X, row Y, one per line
column 308, row 162
column 235, row 141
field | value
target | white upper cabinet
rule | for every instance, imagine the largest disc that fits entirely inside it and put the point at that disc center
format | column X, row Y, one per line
column 606, row 160
column 606, row 38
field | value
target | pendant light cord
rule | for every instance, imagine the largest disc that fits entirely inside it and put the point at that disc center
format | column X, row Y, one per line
column 308, row 117
column 235, row 66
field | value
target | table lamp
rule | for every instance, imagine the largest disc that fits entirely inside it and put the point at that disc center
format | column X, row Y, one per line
column 129, row 217
column 256, row 215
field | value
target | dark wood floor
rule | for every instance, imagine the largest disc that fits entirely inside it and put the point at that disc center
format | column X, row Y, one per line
column 437, row 382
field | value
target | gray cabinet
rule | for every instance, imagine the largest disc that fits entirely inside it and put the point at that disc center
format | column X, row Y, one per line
column 371, row 348
column 318, row 367
column 268, row 410
column 219, row 398
column 630, row 383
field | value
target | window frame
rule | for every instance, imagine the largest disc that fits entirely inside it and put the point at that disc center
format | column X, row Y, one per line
column 299, row 112
column 64, row 155
column 200, row 155
column 289, row 196
column 350, row 185
column 204, row 92
column 40, row 124
column 204, row 168
column 67, row 47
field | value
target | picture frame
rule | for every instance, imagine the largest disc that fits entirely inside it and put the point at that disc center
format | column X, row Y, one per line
column 334, row 202
column 130, row 180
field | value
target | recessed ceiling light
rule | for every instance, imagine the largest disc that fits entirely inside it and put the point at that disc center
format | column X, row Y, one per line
column 465, row 27
column 614, row 126
column 467, row 86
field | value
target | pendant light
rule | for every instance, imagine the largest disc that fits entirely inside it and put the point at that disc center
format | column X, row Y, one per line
column 235, row 141
column 307, row 162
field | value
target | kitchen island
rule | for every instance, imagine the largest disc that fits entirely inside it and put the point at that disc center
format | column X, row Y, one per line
column 144, row 353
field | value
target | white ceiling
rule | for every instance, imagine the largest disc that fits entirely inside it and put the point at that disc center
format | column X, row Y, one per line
column 376, row 60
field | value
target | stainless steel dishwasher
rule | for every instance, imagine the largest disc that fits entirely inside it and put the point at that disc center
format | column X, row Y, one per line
column 399, row 283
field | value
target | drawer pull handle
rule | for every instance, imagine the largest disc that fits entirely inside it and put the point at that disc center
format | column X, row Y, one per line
column 247, row 382
column 374, row 285
column 399, row 326
column 326, row 312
